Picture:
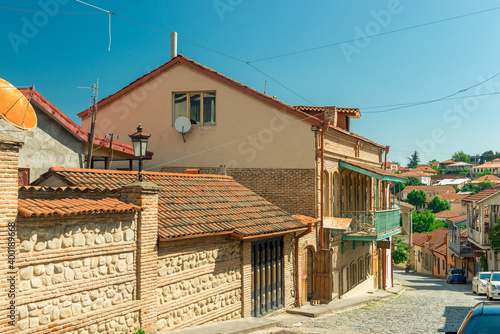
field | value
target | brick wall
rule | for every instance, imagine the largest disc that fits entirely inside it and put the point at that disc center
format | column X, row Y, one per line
column 9, row 153
column 293, row 190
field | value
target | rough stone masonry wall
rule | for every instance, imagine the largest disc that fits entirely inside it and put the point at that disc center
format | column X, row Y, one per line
column 291, row 189
column 199, row 281
column 77, row 274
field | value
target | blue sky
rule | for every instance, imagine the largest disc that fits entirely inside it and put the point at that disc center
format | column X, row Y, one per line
column 406, row 64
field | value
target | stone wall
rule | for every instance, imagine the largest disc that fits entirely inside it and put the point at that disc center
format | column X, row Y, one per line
column 199, row 281
column 77, row 272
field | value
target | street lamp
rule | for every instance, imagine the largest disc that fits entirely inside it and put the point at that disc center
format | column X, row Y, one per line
column 140, row 143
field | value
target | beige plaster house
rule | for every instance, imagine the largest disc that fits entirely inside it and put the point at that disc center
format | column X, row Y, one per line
column 303, row 159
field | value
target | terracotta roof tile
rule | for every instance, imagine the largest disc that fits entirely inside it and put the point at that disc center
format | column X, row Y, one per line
column 337, row 223
column 318, row 111
column 426, row 169
column 457, row 219
column 72, row 206
column 306, row 219
column 482, row 194
column 491, row 178
column 446, row 214
column 434, row 189
column 193, row 204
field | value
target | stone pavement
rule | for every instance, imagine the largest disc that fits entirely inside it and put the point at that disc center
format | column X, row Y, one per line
column 274, row 323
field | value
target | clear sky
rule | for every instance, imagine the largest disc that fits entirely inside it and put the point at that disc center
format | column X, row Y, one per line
column 365, row 54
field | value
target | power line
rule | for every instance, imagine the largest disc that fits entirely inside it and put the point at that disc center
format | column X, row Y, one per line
column 129, row 4
column 377, row 35
column 48, row 12
column 434, row 100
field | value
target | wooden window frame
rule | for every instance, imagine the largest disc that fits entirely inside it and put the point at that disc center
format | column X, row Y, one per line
column 188, row 109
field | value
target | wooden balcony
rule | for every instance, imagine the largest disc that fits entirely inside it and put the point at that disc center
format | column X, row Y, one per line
column 372, row 225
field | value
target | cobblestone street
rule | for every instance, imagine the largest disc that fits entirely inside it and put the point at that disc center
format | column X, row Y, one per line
column 429, row 305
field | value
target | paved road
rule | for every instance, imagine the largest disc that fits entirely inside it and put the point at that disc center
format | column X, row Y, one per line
column 429, row 305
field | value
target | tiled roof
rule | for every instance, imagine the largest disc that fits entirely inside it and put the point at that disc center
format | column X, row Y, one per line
column 378, row 171
column 74, row 128
column 482, row 195
column 72, row 206
column 315, row 110
column 491, row 178
column 487, row 164
column 452, row 196
column 457, row 219
column 426, row 169
column 448, row 162
column 411, row 174
column 436, row 243
column 306, row 219
column 419, row 238
column 433, row 189
column 193, row 204
column 446, row 214
column 402, row 168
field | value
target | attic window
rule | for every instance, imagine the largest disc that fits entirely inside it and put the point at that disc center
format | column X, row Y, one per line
column 199, row 107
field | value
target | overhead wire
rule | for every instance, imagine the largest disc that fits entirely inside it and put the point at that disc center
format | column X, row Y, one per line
column 375, row 35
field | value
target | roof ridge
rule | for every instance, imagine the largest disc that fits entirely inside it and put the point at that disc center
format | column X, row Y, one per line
column 108, row 171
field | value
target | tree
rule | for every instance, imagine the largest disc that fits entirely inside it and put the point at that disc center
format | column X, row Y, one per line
column 460, row 156
column 400, row 252
column 414, row 160
column 494, row 236
column 486, row 172
column 477, row 187
column 437, row 204
column 487, row 156
column 426, row 222
column 413, row 181
column 432, row 161
column 416, row 198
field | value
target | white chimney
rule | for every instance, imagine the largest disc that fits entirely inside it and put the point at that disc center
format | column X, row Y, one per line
column 173, row 45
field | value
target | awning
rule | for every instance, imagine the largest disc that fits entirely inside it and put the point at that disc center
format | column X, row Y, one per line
column 337, row 223
column 376, row 173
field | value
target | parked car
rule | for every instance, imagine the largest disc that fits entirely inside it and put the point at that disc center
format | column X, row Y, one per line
column 493, row 285
column 484, row 318
column 479, row 282
column 456, row 276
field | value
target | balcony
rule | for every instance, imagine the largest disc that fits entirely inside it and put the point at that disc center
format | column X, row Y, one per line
column 461, row 250
column 372, row 225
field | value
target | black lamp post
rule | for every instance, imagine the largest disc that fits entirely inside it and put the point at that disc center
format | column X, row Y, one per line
column 140, row 143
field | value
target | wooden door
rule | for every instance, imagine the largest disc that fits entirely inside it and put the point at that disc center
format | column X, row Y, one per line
column 267, row 276
column 306, row 292
column 375, row 269
column 322, row 277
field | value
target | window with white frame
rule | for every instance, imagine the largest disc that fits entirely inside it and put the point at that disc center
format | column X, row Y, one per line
column 199, row 107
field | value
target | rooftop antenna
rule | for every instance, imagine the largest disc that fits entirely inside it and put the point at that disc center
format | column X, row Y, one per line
column 265, row 84
column 93, row 116
column 15, row 108
column 183, row 125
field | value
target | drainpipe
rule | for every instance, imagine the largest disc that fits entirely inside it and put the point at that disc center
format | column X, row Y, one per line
column 297, row 272
column 324, row 127
column 385, row 182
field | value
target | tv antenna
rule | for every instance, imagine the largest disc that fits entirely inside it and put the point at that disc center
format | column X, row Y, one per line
column 183, row 125
column 15, row 108
column 93, row 116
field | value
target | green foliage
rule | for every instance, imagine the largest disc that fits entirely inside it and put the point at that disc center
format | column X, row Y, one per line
column 477, row 187
column 484, row 263
column 426, row 222
column 437, row 204
column 486, row 172
column 397, row 187
column 401, row 251
column 140, row 331
column 494, row 235
column 416, row 198
column 413, row 160
column 460, row 156
column 488, row 156
column 432, row 161
column 413, row 181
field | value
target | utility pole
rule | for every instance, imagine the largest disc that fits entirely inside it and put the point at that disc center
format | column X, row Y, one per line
column 93, row 116
column 110, row 155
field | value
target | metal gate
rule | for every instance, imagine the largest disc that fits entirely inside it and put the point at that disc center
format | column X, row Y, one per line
column 267, row 276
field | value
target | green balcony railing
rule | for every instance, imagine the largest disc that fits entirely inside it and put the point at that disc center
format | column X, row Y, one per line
column 372, row 225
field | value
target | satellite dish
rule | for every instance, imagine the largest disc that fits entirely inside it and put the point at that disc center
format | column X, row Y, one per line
column 15, row 107
column 183, row 125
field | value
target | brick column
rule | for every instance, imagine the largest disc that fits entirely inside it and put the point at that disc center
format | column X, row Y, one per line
column 246, row 279
column 9, row 155
column 145, row 194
